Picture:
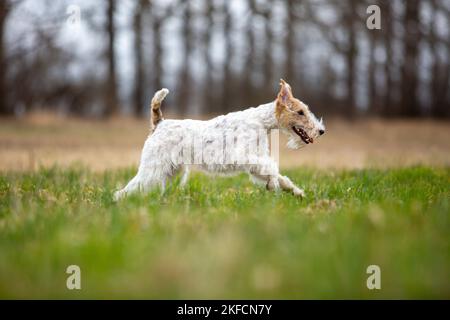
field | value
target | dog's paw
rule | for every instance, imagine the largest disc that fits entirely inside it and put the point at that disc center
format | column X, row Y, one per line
column 299, row 192
column 118, row 195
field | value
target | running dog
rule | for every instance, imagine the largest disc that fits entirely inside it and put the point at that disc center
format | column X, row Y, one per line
column 235, row 142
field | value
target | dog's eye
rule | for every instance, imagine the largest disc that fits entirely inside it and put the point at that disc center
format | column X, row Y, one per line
column 301, row 113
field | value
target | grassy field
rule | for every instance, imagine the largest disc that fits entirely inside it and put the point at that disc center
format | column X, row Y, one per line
column 45, row 140
column 225, row 238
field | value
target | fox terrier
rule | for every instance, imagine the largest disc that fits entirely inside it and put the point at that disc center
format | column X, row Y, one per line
column 235, row 142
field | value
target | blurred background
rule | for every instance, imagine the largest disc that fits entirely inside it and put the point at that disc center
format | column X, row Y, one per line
column 104, row 59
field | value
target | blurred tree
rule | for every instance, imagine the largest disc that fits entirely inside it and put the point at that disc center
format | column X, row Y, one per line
column 242, row 47
column 440, row 82
column 208, row 88
column 227, row 101
column 371, row 70
column 268, row 63
column 351, row 52
column 151, row 15
column 5, row 107
column 157, row 16
column 111, row 97
column 344, row 26
column 387, row 35
column 249, row 65
column 373, row 37
column 138, row 94
column 184, row 80
column 290, row 44
column 409, row 105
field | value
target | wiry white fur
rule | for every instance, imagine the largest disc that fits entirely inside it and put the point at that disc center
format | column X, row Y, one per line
column 160, row 159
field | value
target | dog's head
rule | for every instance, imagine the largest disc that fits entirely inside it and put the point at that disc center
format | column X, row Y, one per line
column 295, row 118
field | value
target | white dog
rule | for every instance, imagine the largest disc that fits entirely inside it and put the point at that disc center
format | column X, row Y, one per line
column 235, row 142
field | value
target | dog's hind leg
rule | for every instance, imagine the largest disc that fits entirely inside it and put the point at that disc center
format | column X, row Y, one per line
column 131, row 187
column 184, row 177
column 145, row 180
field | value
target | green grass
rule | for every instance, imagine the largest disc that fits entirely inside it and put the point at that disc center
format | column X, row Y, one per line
column 225, row 238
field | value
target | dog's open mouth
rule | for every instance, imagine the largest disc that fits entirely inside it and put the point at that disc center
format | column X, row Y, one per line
column 303, row 135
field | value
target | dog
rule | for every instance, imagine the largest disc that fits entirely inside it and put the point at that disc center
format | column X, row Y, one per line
column 231, row 143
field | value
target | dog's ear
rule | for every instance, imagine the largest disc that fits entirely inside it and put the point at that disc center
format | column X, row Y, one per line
column 285, row 93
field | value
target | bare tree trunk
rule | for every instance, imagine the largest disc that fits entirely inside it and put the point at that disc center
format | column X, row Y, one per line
column 442, row 107
column 268, row 63
column 290, row 43
column 350, row 58
column 157, row 65
column 409, row 103
column 5, row 108
column 208, row 87
column 111, row 102
column 248, row 88
column 184, row 86
column 387, row 29
column 226, row 93
column 440, row 104
column 138, row 94
column 371, row 70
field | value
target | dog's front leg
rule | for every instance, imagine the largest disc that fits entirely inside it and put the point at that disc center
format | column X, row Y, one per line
column 266, row 170
column 288, row 185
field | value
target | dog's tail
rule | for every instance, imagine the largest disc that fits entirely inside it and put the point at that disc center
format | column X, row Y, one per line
column 156, row 114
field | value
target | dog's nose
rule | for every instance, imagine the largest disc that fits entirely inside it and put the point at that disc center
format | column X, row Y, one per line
column 321, row 132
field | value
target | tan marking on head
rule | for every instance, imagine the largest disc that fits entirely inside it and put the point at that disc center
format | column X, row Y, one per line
column 291, row 112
